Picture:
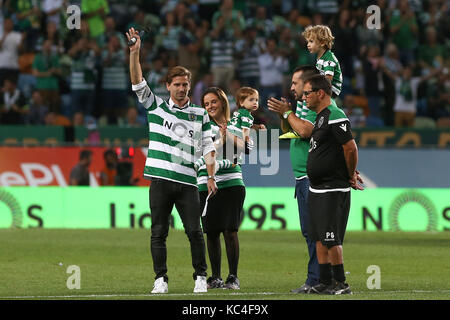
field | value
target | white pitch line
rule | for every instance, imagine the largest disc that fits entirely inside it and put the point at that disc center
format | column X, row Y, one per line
column 140, row 295
column 205, row 295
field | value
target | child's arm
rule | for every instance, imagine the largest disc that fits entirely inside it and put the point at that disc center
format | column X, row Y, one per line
column 258, row 127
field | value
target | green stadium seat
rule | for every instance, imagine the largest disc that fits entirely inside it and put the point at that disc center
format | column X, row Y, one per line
column 424, row 122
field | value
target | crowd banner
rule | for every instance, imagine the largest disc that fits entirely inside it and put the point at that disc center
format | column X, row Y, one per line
column 47, row 166
column 380, row 209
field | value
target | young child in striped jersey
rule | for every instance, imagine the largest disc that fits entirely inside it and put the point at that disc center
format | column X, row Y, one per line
column 247, row 102
column 320, row 41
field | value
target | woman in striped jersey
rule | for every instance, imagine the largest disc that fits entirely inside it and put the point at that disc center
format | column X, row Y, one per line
column 223, row 214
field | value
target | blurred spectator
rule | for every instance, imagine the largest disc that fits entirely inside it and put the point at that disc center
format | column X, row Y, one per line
column 247, row 50
column 438, row 96
column 95, row 12
column 169, row 34
column 431, row 53
column 138, row 21
column 222, row 51
column 28, row 17
column 52, row 34
column 263, row 25
column 10, row 44
column 229, row 19
column 365, row 36
column 84, row 53
column 373, row 83
column 109, row 171
column 54, row 119
column 272, row 66
column 182, row 13
column 157, row 79
column 207, row 8
column 131, row 119
column 354, row 112
column 431, row 15
column 345, row 44
column 26, row 81
column 38, row 109
column 204, row 83
column 110, row 31
column 391, row 62
column 52, row 10
column 293, row 23
column 406, row 85
column 79, row 175
column 46, row 70
column 231, row 96
column 404, row 31
column 78, row 119
column 13, row 105
column 190, row 46
column 115, row 80
column 287, row 49
column 327, row 8
column 93, row 132
column 301, row 55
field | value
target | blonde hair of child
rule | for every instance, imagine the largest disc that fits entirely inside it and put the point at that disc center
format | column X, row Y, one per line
column 322, row 34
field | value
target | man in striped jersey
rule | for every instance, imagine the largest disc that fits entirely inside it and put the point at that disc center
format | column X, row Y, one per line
column 331, row 168
column 179, row 133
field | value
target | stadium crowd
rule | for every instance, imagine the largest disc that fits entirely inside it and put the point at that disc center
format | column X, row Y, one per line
column 51, row 75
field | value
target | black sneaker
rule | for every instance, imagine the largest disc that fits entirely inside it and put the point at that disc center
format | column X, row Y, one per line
column 342, row 288
column 303, row 289
column 322, row 289
column 232, row 282
column 214, row 283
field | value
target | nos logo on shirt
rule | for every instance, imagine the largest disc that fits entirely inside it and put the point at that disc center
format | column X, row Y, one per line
column 180, row 129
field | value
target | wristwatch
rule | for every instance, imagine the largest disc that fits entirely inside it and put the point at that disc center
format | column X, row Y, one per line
column 212, row 177
column 286, row 114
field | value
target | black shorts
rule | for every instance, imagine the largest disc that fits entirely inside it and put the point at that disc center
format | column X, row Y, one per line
column 224, row 209
column 328, row 217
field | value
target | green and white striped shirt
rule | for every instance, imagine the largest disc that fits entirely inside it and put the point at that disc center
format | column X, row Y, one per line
column 328, row 65
column 177, row 137
column 226, row 176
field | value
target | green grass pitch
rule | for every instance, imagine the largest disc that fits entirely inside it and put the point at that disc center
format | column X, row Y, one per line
column 116, row 264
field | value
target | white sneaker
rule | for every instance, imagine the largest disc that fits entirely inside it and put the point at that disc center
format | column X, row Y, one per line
column 200, row 285
column 160, row 286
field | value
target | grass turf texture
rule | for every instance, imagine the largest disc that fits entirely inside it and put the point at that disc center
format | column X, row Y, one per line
column 116, row 264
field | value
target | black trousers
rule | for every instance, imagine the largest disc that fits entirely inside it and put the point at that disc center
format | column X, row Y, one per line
column 164, row 194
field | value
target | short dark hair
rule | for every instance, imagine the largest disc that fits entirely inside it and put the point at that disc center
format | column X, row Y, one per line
column 304, row 68
column 85, row 154
column 319, row 82
column 307, row 71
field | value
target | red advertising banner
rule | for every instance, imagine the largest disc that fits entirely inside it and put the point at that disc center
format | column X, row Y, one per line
column 47, row 166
